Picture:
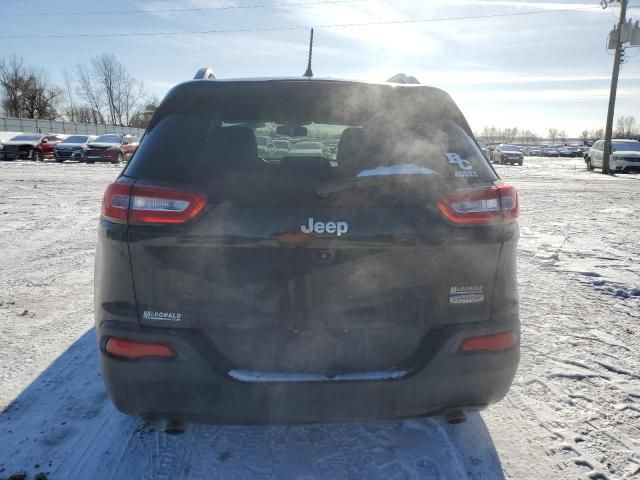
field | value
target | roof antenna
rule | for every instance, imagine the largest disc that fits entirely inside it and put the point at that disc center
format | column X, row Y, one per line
column 309, row 72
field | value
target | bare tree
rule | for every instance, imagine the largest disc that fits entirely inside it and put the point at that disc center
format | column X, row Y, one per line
column 68, row 83
column 110, row 90
column 584, row 135
column 84, row 114
column 508, row 135
column 630, row 128
column 26, row 92
column 619, row 128
column 597, row 133
column 142, row 117
column 90, row 93
column 12, row 73
column 553, row 134
column 40, row 99
column 563, row 136
column 106, row 70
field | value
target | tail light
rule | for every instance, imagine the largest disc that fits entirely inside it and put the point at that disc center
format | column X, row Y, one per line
column 120, row 347
column 481, row 206
column 491, row 343
column 145, row 204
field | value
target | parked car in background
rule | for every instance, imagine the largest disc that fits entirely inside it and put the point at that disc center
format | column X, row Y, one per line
column 266, row 148
column 532, row 151
column 111, row 147
column 34, row 146
column 549, row 151
column 505, row 153
column 483, row 149
column 578, row 150
column 308, row 149
column 72, row 148
column 564, row 151
column 281, row 148
column 625, row 156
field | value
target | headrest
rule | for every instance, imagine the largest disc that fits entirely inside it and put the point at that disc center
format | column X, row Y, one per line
column 350, row 149
column 235, row 148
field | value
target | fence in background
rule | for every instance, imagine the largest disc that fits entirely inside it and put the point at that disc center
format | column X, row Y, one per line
column 32, row 125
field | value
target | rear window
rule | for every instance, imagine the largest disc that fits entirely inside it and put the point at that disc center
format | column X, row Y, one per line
column 238, row 158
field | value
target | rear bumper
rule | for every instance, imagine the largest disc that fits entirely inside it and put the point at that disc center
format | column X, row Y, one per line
column 195, row 387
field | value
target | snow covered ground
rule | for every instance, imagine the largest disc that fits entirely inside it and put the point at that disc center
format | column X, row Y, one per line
column 572, row 413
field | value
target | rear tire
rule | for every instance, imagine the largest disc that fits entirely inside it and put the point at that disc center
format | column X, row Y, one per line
column 37, row 156
column 589, row 165
column 120, row 159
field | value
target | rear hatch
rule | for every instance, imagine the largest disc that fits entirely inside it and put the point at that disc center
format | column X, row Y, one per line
column 336, row 264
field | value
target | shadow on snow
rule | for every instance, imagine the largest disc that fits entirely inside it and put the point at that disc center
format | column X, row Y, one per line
column 65, row 426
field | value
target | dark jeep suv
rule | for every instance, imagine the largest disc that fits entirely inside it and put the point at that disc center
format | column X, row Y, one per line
column 235, row 289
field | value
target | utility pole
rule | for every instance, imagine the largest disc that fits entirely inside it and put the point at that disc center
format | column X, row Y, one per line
column 614, row 86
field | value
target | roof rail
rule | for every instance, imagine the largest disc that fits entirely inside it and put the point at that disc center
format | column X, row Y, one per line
column 204, row 73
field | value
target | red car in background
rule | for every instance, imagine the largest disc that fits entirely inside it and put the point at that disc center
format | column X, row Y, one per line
column 34, row 146
column 114, row 148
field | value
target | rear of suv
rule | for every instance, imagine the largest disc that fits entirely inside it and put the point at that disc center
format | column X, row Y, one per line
column 235, row 289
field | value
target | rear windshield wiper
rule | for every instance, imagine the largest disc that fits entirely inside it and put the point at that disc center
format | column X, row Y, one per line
column 350, row 183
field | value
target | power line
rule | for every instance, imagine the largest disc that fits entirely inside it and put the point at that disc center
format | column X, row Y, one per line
column 176, row 10
column 293, row 27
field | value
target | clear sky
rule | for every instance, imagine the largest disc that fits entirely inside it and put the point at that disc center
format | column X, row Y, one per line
column 535, row 70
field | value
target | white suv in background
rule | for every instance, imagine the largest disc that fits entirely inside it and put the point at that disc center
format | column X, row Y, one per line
column 625, row 156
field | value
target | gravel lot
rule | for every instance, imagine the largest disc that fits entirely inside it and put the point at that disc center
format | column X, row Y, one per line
column 573, row 411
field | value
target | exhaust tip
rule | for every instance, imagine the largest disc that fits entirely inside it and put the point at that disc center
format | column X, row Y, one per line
column 455, row 417
column 174, row 426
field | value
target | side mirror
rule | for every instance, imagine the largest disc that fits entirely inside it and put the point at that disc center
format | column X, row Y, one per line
column 44, row 140
column 125, row 142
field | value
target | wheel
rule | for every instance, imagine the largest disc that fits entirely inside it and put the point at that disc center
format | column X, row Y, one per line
column 519, row 164
column 589, row 165
column 37, row 156
column 59, row 160
column 90, row 162
column 120, row 158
